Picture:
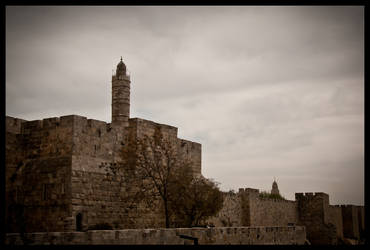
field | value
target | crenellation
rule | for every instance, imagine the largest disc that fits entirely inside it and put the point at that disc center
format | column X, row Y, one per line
column 13, row 125
column 66, row 121
column 50, row 122
column 146, row 127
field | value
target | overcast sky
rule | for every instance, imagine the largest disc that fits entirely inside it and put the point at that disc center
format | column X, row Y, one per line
column 268, row 91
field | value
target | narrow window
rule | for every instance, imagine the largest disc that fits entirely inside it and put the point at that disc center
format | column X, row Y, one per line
column 62, row 189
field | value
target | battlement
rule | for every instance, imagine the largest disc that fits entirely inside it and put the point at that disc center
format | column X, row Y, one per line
column 248, row 191
column 276, row 200
column 256, row 192
column 143, row 126
column 13, row 125
column 16, row 125
column 63, row 121
column 348, row 206
column 193, row 144
column 310, row 195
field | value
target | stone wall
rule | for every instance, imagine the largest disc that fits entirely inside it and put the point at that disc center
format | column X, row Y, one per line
column 59, row 165
column 313, row 210
column 98, row 193
column 269, row 212
column 230, row 213
column 186, row 149
column 294, row 235
column 361, row 219
column 335, row 217
column 351, row 225
column 246, row 208
column 39, row 188
column 192, row 151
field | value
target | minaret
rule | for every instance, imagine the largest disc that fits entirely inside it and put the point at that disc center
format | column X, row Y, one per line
column 275, row 189
column 120, row 96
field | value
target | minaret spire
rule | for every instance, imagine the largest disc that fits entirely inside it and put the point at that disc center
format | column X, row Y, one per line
column 120, row 96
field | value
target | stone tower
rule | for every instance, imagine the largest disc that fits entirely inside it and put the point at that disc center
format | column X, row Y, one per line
column 120, row 96
column 275, row 189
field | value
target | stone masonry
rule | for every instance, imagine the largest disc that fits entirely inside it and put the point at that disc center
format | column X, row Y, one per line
column 54, row 175
column 201, row 236
column 56, row 182
column 325, row 224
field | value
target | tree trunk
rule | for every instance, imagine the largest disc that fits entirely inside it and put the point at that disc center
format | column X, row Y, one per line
column 166, row 213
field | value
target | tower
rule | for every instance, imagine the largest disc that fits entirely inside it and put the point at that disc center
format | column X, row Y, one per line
column 120, row 96
column 275, row 189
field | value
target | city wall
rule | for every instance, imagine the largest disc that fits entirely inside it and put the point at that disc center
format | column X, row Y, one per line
column 353, row 221
column 57, row 171
column 246, row 208
column 267, row 212
column 294, row 235
column 315, row 215
column 38, row 174
column 98, row 194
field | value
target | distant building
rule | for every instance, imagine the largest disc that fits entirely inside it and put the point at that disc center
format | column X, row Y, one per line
column 275, row 189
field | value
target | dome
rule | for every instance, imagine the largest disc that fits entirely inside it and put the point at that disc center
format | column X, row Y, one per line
column 121, row 68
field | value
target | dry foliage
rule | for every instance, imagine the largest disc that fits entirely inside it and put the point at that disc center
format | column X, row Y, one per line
column 152, row 171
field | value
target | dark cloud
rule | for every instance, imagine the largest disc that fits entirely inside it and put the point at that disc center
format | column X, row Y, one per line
column 267, row 91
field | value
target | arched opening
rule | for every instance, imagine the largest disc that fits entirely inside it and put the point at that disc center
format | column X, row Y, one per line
column 79, row 222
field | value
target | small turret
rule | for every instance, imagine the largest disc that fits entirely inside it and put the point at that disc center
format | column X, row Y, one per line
column 120, row 96
column 121, row 69
column 275, row 189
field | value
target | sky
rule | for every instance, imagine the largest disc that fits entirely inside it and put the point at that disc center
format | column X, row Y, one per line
column 269, row 91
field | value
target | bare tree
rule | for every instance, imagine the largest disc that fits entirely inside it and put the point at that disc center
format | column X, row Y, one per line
column 152, row 170
column 150, row 165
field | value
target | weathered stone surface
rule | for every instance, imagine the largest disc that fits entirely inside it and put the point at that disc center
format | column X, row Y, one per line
column 205, row 236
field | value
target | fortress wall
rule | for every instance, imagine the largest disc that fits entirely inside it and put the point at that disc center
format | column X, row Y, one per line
column 351, row 227
column 95, row 190
column 98, row 194
column 269, row 212
column 39, row 186
column 230, row 213
column 187, row 149
column 313, row 209
column 100, row 198
column 191, row 151
column 145, row 127
column 335, row 217
column 13, row 146
column 13, row 125
column 205, row 236
column 95, row 142
column 361, row 219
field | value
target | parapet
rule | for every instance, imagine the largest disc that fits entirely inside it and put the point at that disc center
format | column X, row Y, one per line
column 248, row 191
column 13, row 125
column 192, row 144
column 147, row 127
column 48, row 123
column 311, row 196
